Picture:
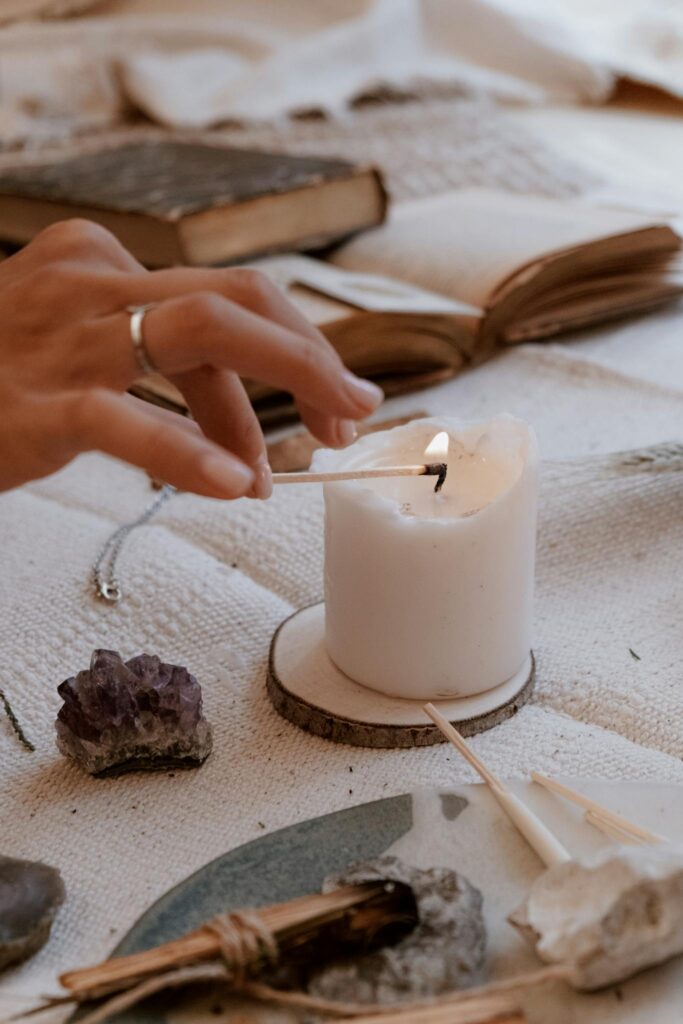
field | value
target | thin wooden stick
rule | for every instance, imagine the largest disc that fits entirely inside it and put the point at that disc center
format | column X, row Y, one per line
column 444, row 1003
column 449, row 1008
column 437, row 469
column 505, row 987
column 612, row 831
column 158, row 983
column 289, row 923
column 495, row 1010
column 540, row 838
column 438, row 1008
column 602, row 812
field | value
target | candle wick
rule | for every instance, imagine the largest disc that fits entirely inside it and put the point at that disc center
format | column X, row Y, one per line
column 439, row 470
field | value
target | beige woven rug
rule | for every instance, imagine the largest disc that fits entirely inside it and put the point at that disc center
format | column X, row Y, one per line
column 207, row 583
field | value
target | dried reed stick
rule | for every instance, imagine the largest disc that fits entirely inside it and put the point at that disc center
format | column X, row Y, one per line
column 540, row 838
column 437, row 469
column 498, row 1009
column 612, row 831
column 482, row 996
column 14, row 722
column 603, row 813
column 361, row 909
column 481, row 1005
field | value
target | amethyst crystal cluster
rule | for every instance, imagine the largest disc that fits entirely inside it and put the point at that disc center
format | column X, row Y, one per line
column 121, row 716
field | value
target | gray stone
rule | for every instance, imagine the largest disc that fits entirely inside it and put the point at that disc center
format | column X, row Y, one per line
column 141, row 714
column 446, row 951
column 31, row 893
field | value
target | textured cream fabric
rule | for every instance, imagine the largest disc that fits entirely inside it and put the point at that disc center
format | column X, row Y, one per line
column 24, row 10
column 202, row 64
column 190, row 63
column 207, row 583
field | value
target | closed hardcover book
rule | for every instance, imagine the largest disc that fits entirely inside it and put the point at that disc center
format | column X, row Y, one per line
column 183, row 203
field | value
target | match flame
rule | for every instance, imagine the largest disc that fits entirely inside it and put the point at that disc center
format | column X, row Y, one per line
column 438, row 446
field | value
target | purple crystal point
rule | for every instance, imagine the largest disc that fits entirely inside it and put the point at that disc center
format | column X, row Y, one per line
column 121, row 716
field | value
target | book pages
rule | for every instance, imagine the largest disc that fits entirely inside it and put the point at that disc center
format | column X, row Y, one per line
column 464, row 244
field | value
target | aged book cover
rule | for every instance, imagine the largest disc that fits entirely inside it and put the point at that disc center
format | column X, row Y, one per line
column 174, row 202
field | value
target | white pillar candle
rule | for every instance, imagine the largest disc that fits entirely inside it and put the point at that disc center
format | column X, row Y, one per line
column 429, row 596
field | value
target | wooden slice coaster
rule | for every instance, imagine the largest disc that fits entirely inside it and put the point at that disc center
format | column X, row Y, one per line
column 308, row 689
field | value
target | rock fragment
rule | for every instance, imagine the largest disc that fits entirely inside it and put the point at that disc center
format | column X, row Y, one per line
column 608, row 917
column 140, row 714
column 446, row 951
column 31, row 893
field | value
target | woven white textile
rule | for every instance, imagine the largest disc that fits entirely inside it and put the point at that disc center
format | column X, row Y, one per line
column 202, row 62
column 207, row 583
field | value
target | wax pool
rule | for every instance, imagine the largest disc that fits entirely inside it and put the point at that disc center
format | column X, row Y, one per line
column 429, row 596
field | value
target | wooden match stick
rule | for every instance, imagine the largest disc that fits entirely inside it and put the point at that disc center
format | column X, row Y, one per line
column 437, row 469
column 540, row 838
column 610, row 817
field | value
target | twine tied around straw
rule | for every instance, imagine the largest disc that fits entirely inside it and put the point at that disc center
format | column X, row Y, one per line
column 244, row 942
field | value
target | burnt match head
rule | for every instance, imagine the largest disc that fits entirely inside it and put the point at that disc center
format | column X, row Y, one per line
column 437, row 469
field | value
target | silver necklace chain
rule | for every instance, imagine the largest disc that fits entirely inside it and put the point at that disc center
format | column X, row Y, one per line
column 107, row 586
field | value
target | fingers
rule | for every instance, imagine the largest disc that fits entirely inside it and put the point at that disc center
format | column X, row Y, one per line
column 220, row 405
column 331, row 430
column 249, row 288
column 253, row 291
column 151, row 439
column 78, row 241
column 164, row 416
column 204, row 329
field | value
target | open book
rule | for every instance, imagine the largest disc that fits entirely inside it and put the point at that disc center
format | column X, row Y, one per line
column 450, row 279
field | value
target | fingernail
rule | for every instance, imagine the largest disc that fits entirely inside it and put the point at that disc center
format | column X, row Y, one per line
column 228, row 475
column 346, row 432
column 363, row 392
column 263, row 479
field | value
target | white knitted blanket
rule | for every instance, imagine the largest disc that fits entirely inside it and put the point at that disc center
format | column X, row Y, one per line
column 207, row 583
column 195, row 63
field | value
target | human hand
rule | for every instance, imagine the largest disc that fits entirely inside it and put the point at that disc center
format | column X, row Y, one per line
column 66, row 358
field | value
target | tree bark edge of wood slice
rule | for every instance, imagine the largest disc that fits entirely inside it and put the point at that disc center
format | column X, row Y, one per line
column 330, row 724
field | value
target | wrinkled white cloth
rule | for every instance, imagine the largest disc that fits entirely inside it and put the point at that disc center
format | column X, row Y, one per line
column 200, row 64
column 207, row 583
column 21, row 10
